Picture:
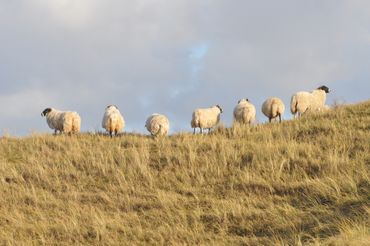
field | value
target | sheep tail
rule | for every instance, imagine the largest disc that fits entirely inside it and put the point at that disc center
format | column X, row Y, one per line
column 110, row 126
column 194, row 123
column 76, row 123
column 245, row 116
column 293, row 105
column 159, row 130
column 274, row 110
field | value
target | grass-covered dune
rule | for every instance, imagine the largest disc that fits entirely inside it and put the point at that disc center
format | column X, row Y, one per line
column 301, row 181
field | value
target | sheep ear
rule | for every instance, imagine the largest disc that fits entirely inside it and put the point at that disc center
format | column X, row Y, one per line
column 239, row 101
column 247, row 99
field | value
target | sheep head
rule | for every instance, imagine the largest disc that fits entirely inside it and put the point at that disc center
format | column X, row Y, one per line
column 111, row 106
column 46, row 111
column 218, row 106
column 244, row 99
column 324, row 88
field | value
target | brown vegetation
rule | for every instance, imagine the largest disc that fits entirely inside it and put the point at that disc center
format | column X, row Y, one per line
column 301, row 181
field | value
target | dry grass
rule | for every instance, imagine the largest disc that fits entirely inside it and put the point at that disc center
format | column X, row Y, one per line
column 299, row 182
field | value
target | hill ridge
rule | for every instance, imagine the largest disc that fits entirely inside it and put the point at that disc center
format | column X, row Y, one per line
column 301, row 181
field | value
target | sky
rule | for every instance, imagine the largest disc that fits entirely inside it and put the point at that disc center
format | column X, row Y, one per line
column 173, row 56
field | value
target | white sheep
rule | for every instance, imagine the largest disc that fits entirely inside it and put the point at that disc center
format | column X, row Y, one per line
column 206, row 118
column 113, row 121
column 244, row 112
column 273, row 107
column 308, row 101
column 62, row 121
column 157, row 125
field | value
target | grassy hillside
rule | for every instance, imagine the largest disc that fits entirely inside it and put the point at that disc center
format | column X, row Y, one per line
column 303, row 181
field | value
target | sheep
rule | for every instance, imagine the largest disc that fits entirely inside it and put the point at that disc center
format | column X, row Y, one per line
column 113, row 121
column 303, row 101
column 157, row 125
column 273, row 107
column 62, row 121
column 206, row 118
column 244, row 112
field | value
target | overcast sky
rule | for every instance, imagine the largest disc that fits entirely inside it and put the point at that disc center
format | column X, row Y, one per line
column 172, row 56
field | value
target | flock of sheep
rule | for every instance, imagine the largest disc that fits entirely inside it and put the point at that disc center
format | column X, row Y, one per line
column 203, row 118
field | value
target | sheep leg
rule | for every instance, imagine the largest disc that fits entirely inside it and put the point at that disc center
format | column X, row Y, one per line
column 194, row 131
column 209, row 129
column 280, row 118
column 269, row 119
column 201, row 130
column 111, row 134
column 115, row 132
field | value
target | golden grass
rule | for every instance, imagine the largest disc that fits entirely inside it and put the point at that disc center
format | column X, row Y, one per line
column 300, row 182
